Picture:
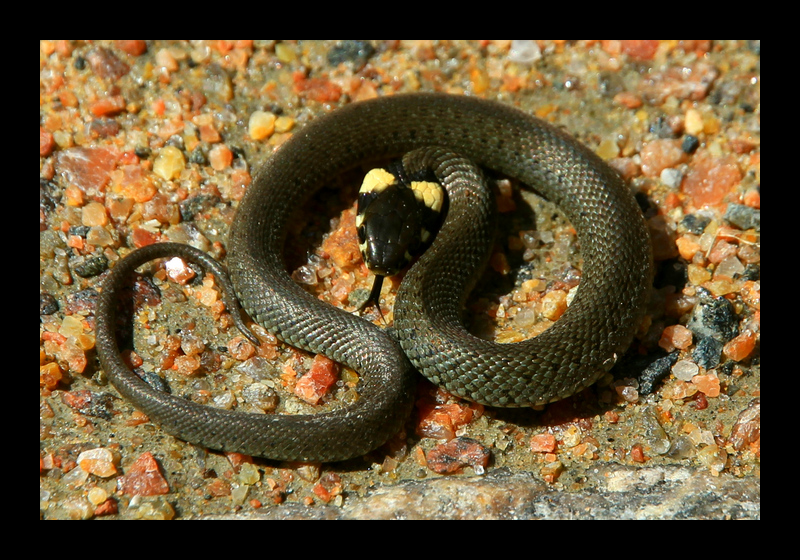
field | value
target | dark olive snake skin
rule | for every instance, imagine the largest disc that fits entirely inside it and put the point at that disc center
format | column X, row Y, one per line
column 583, row 344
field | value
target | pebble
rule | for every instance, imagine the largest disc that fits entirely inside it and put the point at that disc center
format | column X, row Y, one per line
column 685, row 370
column 49, row 375
column 655, row 436
column 454, row 455
column 688, row 247
column 442, row 420
column 240, row 348
column 165, row 60
column 248, row 474
column 639, row 49
column 677, row 390
column 671, row 177
column 699, row 436
column 355, row 51
column 675, row 336
column 143, row 478
column 690, row 144
column 707, row 384
column 107, row 507
column 92, row 267
column 47, row 143
column 169, row 163
column 695, row 223
column 151, row 507
column 740, row 347
column 286, row 52
column 89, row 403
column 220, row 157
column 628, row 393
column 743, row 217
column 554, row 304
column 178, row 271
column 524, row 51
column 258, row 368
column 730, row 267
column 747, row 429
column 658, row 155
column 305, row 275
column 713, row 316
column 97, row 495
column 132, row 47
column 261, row 125
column 100, row 462
column 551, row 471
column 47, row 304
column 106, row 64
column 75, row 478
column 88, row 169
column 680, row 448
column 525, row 317
column 225, row 401
column 713, row 457
column 260, row 396
column 656, row 371
column 284, row 124
column 710, row 179
column 571, row 436
column 707, row 352
column 187, row 365
column 608, row 149
column 693, row 122
column 78, row 508
column 543, row 443
column 315, row 384
column 94, row 214
column 71, row 326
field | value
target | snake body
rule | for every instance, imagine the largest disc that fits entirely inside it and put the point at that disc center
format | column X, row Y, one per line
column 583, row 344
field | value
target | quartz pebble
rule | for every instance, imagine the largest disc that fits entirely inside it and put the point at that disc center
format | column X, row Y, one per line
column 169, row 164
column 261, row 125
column 100, row 462
column 524, row 51
column 747, row 429
column 675, row 336
column 685, row 370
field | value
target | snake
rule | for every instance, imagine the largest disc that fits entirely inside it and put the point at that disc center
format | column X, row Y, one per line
column 463, row 134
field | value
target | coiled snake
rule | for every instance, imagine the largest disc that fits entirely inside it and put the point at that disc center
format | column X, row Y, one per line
column 583, row 344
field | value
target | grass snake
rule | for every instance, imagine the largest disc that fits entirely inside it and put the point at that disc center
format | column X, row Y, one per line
column 428, row 333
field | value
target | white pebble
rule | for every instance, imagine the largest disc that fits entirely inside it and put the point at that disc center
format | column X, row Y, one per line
column 524, row 52
column 671, row 177
column 685, row 370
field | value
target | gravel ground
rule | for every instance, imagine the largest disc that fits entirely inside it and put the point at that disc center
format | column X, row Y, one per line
column 142, row 142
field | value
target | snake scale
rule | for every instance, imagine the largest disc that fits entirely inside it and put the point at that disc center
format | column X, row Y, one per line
column 583, row 344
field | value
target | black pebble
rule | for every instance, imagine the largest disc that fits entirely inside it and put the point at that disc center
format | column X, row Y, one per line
column 743, row 216
column 357, row 52
column 707, row 352
column 713, row 317
column 690, row 144
column 695, row 224
column 47, row 304
column 656, row 371
column 92, row 267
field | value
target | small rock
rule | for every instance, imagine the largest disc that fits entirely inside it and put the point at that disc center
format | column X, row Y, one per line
column 713, row 317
